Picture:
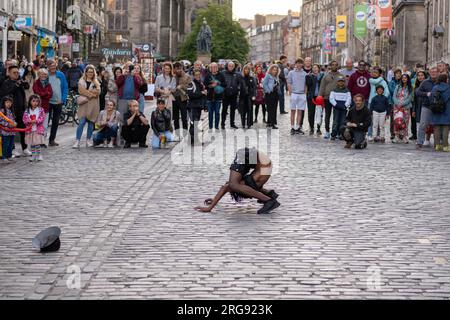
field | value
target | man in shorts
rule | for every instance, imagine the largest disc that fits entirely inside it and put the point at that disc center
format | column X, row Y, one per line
column 296, row 81
column 245, row 185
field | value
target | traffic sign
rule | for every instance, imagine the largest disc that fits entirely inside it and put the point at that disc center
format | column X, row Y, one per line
column 76, row 47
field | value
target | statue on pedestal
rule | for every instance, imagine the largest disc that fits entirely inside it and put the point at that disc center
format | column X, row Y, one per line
column 204, row 38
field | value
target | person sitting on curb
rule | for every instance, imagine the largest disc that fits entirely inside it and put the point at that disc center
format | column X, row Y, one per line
column 358, row 123
column 135, row 126
column 160, row 122
column 108, row 120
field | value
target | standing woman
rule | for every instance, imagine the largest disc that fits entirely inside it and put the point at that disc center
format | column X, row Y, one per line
column 142, row 89
column 104, row 80
column 247, row 96
column 197, row 101
column 165, row 85
column 88, row 104
column 112, row 85
column 313, row 81
column 259, row 100
column 29, row 76
column 402, row 103
column 417, row 101
column 271, row 86
column 43, row 89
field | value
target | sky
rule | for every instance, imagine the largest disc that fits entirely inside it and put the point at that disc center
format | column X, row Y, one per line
column 248, row 8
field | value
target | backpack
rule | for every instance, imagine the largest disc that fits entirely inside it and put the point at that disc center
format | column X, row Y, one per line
column 437, row 103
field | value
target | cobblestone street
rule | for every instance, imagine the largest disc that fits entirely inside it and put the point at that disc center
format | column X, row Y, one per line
column 352, row 224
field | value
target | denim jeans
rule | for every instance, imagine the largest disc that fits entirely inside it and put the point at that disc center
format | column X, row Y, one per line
column 214, row 113
column 80, row 128
column 338, row 121
column 55, row 113
column 281, row 97
column 106, row 134
column 425, row 121
column 156, row 141
column 7, row 146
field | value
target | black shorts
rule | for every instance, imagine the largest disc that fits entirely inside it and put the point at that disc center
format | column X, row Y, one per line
column 249, row 181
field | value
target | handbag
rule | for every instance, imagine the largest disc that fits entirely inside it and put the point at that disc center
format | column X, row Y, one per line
column 82, row 100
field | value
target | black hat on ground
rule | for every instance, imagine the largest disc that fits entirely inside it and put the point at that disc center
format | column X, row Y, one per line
column 48, row 240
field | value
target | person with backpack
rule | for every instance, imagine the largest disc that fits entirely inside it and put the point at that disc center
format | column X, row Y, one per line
column 440, row 107
column 424, row 93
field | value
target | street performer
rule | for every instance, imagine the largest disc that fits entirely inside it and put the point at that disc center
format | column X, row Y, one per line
column 242, row 184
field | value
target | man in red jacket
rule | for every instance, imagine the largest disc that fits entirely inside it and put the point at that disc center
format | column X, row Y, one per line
column 359, row 81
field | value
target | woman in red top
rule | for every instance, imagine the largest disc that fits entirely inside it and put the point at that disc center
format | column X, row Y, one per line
column 259, row 101
column 43, row 89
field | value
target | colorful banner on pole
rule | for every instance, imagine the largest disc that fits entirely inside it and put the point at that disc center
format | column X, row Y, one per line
column 361, row 20
column 384, row 14
column 341, row 29
column 326, row 45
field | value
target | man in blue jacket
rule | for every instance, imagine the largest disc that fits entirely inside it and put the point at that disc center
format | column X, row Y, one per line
column 60, row 89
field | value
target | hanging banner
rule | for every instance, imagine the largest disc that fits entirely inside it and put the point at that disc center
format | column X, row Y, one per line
column 384, row 14
column 341, row 29
column 372, row 17
column 360, row 20
column 326, row 45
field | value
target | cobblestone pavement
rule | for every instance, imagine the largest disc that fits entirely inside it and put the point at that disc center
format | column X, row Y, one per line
column 352, row 224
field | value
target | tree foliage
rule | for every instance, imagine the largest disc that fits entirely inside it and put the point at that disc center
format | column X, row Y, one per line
column 228, row 39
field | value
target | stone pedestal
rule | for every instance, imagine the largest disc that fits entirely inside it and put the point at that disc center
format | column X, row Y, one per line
column 205, row 58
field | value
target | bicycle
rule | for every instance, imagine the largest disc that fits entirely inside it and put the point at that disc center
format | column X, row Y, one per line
column 69, row 110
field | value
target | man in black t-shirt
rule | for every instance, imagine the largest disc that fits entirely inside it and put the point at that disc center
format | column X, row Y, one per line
column 135, row 126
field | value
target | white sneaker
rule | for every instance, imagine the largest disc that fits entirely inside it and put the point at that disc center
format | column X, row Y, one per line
column 17, row 153
column 27, row 153
column 426, row 143
column 89, row 143
column 76, row 145
column 40, row 158
column 370, row 139
column 111, row 145
column 31, row 159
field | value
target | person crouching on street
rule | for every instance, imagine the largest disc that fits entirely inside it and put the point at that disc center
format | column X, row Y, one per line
column 358, row 123
column 108, row 120
column 135, row 126
column 340, row 99
column 160, row 121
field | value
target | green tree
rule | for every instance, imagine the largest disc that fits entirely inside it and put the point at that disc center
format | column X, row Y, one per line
column 228, row 40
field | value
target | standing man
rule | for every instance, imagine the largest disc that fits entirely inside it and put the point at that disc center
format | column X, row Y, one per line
column 73, row 76
column 282, row 65
column 15, row 88
column 60, row 89
column 329, row 82
column 181, row 97
column 424, row 92
column 348, row 70
column 296, row 82
column 232, row 80
column 358, row 83
column 215, row 84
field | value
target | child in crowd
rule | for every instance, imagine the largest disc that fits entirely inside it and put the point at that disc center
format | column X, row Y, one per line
column 319, row 102
column 340, row 99
column 7, row 121
column 377, row 80
column 380, row 108
column 160, row 122
column 34, row 116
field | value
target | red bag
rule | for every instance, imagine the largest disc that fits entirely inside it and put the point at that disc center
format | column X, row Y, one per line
column 259, row 99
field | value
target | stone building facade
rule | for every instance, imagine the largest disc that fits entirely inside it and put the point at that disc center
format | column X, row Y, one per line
column 437, row 40
column 163, row 23
column 408, row 45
